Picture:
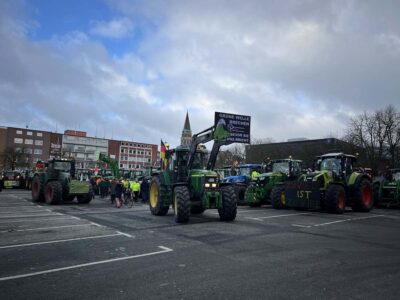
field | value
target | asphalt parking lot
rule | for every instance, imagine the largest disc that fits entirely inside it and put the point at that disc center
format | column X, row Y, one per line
column 96, row 251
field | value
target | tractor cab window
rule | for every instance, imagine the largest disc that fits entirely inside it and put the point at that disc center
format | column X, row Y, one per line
column 282, row 167
column 62, row 166
column 245, row 171
column 396, row 176
column 200, row 160
column 296, row 167
column 331, row 164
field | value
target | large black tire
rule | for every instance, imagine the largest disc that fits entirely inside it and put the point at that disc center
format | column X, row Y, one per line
column 335, row 199
column 85, row 198
column 240, row 191
column 278, row 197
column 181, row 203
column 229, row 204
column 196, row 210
column 37, row 190
column 53, row 192
column 157, row 192
column 363, row 196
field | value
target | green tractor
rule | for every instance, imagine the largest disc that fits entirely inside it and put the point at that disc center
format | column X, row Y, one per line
column 333, row 187
column 387, row 192
column 259, row 190
column 54, row 183
column 188, row 182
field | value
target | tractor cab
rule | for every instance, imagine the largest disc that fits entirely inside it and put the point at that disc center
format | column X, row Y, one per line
column 337, row 164
column 178, row 160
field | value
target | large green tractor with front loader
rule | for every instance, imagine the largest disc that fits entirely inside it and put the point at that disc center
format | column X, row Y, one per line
column 54, row 183
column 332, row 187
column 278, row 171
column 188, row 183
column 387, row 191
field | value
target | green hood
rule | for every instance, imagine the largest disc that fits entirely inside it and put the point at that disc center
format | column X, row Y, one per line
column 199, row 172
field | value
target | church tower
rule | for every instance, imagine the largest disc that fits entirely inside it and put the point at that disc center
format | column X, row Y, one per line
column 186, row 137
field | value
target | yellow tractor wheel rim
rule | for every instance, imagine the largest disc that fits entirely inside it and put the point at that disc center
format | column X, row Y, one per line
column 153, row 195
column 283, row 198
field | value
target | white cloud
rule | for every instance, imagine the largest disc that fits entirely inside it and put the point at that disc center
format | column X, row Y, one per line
column 117, row 28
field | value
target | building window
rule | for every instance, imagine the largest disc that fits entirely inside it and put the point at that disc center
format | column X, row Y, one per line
column 29, row 133
column 19, row 131
column 122, row 150
column 18, row 140
column 18, row 150
column 28, row 142
column 130, row 151
column 28, row 150
column 39, row 134
column 121, row 165
column 39, row 142
column 37, row 151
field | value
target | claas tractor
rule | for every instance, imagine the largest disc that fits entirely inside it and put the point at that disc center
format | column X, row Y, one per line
column 279, row 170
column 387, row 192
column 54, row 183
column 333, row 187
column 188, row 182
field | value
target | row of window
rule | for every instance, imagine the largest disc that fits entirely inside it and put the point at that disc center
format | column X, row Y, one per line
column 135, row 145
column 30, row 133
column 136, row 159
column 135, row 152
column 29, row 151
column 28, row 141
column 129, row 166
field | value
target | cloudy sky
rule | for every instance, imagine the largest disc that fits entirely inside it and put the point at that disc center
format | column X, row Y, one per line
column 131, row 69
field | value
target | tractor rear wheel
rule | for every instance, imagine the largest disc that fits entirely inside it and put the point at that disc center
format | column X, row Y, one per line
column 228, row 210
column 181, row 203
column 240, row 191
column 157, row 192
column 363, row 198
column 53, row 192
column 278, row 197
column 335, row 199
column 37, row 190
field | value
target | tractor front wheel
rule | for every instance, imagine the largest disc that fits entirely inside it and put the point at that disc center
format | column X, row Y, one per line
column 335, row 199
column 37, row 190
column 53, row 192
column 228, row 210
column 181, row 202
column 363, row 196
column 157, row 192
column 278, row 197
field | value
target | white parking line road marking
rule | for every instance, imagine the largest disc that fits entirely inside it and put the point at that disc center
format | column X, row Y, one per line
column 31, row 215
column 44, row 228
column 164, row 250
column 125, row 234
column 338, row 221
column 40, row 220
column 61, row 241
column 277, row 216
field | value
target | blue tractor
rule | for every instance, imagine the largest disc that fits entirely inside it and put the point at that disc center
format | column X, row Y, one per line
column 242, row 179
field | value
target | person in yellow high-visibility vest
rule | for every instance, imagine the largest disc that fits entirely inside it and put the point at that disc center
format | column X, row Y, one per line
column 135, row 187
column 254, row 174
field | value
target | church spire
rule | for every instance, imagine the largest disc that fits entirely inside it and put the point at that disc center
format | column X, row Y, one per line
column 187, row 123
column 186, row 137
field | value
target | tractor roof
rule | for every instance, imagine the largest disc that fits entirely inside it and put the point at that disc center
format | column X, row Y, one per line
column 337, row 155
column 249, row 166
column 285, row 160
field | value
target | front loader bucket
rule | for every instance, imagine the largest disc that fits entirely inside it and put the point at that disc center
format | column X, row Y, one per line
column 303, row 194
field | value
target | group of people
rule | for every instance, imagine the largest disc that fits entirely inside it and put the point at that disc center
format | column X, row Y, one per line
column 125, row 188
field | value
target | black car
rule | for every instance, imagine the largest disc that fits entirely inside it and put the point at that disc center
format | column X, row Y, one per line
column 13, row 179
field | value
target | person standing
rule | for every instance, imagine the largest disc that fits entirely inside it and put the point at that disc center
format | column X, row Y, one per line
column 119, row 189
column 135, row 189
column 144, row 190
column 113, row 185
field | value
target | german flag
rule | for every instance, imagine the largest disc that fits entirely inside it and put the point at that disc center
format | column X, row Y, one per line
column 162, row 150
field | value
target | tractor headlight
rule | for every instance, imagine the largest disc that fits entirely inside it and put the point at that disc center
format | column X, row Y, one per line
column 210, row 182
